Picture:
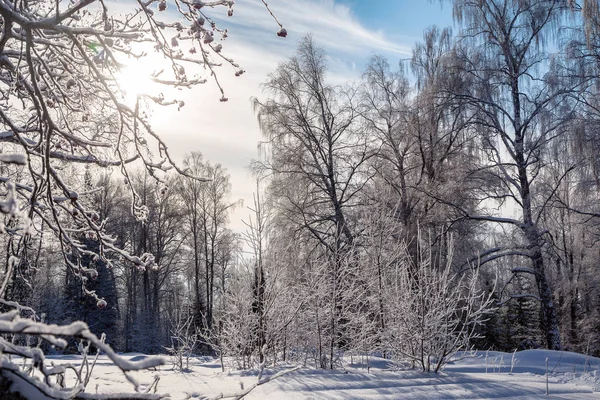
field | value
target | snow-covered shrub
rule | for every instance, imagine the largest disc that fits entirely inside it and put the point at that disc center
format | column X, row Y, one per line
column 183, row 343
column 432, row 311
column 236, row 336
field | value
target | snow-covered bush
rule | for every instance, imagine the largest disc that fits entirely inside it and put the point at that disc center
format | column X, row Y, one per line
column 183, row 343
column 432, row 312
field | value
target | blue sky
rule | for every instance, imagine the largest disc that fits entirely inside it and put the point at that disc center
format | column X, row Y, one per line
column 401, row 19
column 350, row 31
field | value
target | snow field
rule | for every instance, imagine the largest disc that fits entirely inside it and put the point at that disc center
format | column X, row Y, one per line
column 571, row 376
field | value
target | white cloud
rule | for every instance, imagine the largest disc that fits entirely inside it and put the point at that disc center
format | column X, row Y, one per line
column 333, row 26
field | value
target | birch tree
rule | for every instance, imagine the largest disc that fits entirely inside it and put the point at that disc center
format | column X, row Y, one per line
column 317, row 157
column 207, row 207
column 518, row 110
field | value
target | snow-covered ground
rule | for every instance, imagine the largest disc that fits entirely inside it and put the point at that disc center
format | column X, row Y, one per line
column 485, row 375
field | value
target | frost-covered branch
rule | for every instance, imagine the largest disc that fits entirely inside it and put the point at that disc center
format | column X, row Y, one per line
column 33, row 375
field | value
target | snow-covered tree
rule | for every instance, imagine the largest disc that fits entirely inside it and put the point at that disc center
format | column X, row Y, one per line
column 206, row 207
column 522, row 98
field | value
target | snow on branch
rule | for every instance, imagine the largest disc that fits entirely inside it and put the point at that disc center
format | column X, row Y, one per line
column 520, row 296
column 523, row 270
column 23, row 375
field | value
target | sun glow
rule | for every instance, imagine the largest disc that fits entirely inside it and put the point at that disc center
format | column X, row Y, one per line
column 134, row 81
column 137, row 84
